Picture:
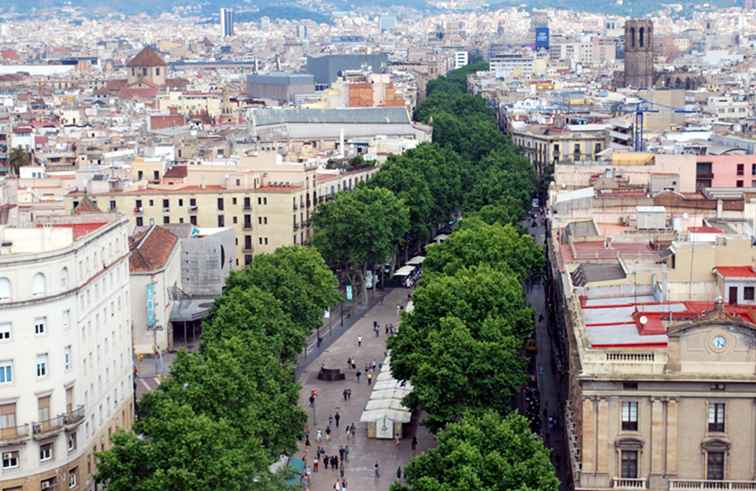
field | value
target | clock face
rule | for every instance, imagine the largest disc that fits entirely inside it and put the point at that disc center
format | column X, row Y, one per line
column 719, row 342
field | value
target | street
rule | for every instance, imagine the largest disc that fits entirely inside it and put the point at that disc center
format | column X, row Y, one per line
column 363, row 452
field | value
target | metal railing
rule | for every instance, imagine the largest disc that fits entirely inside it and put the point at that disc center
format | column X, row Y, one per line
column 686, row 484
column 628, row 483
column 13, row 433
column 75, row 416
column 48, row 426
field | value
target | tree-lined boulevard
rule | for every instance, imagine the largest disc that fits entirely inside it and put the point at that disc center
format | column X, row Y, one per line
column 228, row 411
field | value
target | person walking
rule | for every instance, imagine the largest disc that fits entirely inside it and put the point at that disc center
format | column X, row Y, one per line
column 341, row 453
column 349, row 394
column 359, row 341
column 354, row 431
column 369, row 378
column 319, row 435
column 358, row 374
column 330, row 420
column 328, row 433
column 343, row 485
column 399, row 473
column 335, row 462
column 414, row 443
column 337, row 485
column 344, row 394
column 347, row 431
column 377, row 470
column 336, row 418
column 315, row 462
column 346, row 453
column 326, row 461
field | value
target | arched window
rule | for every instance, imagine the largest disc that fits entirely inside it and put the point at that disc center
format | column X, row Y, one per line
column 5, row 289
column 632, row 37
column 39, row 285
column 641, row 35
column 64, row 278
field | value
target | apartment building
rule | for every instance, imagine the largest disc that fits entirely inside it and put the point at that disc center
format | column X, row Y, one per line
column 548, row 145
column 267, row 204
column 65, row 349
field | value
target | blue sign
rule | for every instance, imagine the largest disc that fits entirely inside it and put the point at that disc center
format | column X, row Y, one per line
column 541, row 38
column 151, row 320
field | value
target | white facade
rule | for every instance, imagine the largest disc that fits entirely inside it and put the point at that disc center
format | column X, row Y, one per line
column 512, row 66
column 65, row 352
column 461, row 58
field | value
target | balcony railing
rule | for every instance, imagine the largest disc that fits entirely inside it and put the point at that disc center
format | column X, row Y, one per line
column 14, row 434
column 42, row 429
column 74, row 417
column 628, row 483
column 686, row 484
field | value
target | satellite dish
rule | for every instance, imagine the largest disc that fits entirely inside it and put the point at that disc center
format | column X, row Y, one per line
column 643, row 320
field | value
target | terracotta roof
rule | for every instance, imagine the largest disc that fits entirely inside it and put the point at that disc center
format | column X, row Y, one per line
column 151, row 249
column 178, row 171
column 79, row 229
column 146, row 57
column 705, row 230
column 736, row 271
column 86, row 206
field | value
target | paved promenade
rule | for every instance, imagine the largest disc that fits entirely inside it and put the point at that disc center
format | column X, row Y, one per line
column 363, row 452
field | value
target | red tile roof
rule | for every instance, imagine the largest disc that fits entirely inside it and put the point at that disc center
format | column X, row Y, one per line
column 86, row 206
column 146, row 57
column 151, row 249
column 736, row 271
column 705, row 230
column 79, row 229
column 178, row 171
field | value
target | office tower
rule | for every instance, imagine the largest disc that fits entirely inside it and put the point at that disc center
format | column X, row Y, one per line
column 639, row 53
column 227, row 22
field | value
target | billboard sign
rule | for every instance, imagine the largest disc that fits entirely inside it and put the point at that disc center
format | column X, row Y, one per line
column 151, row 320
column 542, row 38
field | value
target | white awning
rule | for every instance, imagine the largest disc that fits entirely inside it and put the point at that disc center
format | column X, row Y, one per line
column 404, row 271
column 416, row 261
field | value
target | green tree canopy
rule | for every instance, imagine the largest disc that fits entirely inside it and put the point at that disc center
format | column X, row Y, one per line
column 296, row 276
column 359, row 229
column 459, row 370
column 472, row 295
column 502, row 247
column 485, row 453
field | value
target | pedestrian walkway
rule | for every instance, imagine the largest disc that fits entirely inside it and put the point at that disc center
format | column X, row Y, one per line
column 363, row 452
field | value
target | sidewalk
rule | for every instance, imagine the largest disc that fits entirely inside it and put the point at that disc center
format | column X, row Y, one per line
column 363, row 452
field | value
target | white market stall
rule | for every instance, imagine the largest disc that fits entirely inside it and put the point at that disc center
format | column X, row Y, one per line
column 384, row 412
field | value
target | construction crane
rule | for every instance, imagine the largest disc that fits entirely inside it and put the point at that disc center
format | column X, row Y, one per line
column 644, row 106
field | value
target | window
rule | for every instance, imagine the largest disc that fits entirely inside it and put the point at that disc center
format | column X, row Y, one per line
column 220, row 204
column 193, row 202
column 741, row 169
column 10, row 459
column 166, row 220
column 233, row 200
column 5, row 331
column 48, row 483
column 629, row 415
column 112, row 205
column 71, row 441
column 66, row 320
column 247, row 259
column 753, row 169
column 67, row 358
column 156, row 175
column 716, row 417
column 236, row 220
column 747, row 294
column 5, row 289
column 181, row 202
column 221, row 221
column 577, row 151
column 45, row 452
column 151, row 202
column 193, row 220
column 40, row 326
column 629, row 464
column 715, row 466
column 39, row 285
column 597, row 148
column 739, row 183
column 157, row 71
column 42, row 365
column 139, row 221
column 166, row 203
column 248, row 205
column 73, row 477
column 138, row 204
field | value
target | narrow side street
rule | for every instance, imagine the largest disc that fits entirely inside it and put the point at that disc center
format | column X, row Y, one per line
column 363, row 452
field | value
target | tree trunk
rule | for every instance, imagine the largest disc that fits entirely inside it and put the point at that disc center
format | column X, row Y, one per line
column 363, row 285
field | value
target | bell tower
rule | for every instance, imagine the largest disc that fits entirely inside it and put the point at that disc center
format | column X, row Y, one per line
column 639, row 53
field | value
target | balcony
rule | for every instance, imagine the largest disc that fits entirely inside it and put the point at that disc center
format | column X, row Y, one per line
column 139, row 210
column 685, row 484
column 628, row 483
column 72, row 419
column 14, row 435
column 247, row 226
column 193, row 210
column 44, row 429
column 296, row 226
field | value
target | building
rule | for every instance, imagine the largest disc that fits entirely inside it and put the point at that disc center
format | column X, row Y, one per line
column 66, row 372
column 639, row 54
column 146, row 68
column 227, row 22
column 512, row 65
column 279, row 86
column 461, row 58
column 327, row 68
column 548, row 145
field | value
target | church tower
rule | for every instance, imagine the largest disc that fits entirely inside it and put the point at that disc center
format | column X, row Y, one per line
column 639, row 53
column 147, row 68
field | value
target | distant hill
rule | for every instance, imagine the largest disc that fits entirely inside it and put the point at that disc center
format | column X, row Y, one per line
column 628, row 8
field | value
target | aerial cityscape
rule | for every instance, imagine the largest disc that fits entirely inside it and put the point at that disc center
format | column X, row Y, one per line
column 421, row 245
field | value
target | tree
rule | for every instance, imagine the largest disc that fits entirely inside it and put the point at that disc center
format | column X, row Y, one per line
column 252, row 309
column 360, row 229
column 296, row 276
column 502, row 247
column 459, row 370
column 471, row 295
column 17, row 158
column 483, row 452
